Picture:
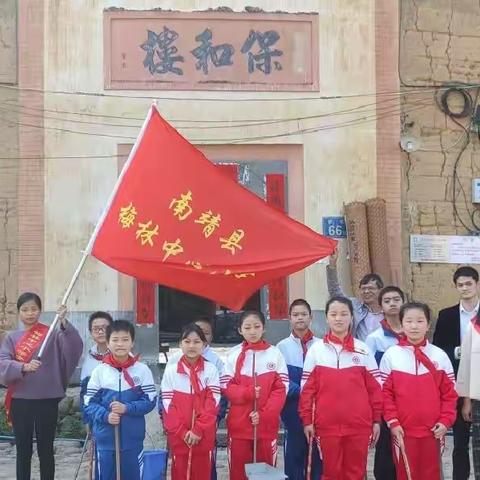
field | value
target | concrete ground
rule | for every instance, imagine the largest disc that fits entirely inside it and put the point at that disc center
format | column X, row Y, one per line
column 68, row 457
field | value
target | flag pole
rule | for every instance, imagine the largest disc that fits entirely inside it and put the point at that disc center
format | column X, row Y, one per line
column 87, row 251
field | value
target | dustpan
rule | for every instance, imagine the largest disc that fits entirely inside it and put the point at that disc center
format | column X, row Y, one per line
column 263, row 471
column 260, row 471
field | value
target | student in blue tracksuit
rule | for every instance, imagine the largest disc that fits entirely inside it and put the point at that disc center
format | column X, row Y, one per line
column 120, row 393
column 390, row 298
column 294, row 348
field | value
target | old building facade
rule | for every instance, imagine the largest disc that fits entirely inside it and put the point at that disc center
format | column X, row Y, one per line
column 75, row 88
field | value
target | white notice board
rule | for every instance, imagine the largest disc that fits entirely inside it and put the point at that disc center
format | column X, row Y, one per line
column 444, row 249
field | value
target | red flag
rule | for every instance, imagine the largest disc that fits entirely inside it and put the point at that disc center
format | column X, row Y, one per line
column 175, row 219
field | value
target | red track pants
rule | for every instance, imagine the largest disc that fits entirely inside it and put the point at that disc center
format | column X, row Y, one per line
column 240, row 452
column 423, row 456
column 344, row 458
column 200, row 468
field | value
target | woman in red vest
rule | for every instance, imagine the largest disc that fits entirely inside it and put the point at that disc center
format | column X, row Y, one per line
column 36, row 386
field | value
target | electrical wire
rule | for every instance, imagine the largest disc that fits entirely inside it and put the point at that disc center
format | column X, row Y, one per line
column 441, row 99
column 447, row 149
column 467, row 111
column 254, row 123
column 257, row 98
column 353, row 122
column 247, row 122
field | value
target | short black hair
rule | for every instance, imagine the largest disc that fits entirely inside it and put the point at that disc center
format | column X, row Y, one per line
column 121, row 326
column 340, row 299
column 204, row 319
column 390, row 289
column 26, row 297
column 465, row 272
column 193, row 328
column 96, row 315
column 302, row 302
column 248, row 313
column 372, row 277
column 416, row 306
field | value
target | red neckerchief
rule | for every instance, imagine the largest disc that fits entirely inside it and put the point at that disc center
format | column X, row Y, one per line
column 420, row 355
column 194, row 370
column 347, row 343
column 261, row 345
column 109, row 359
column 386, row 326
column 304, row 340
column 25, row 350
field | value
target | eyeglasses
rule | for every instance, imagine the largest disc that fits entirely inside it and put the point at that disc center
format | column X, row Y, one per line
column 368, row 289
column 99, row 329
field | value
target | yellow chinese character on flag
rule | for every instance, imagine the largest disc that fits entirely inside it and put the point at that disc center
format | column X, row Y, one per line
column 194, row 264
column 127, row 215
column 181, row 207
column 145, row 233
column 244, row 275
column 239, row 275
column 210, row 221
column 232, row 242
column 172, row 248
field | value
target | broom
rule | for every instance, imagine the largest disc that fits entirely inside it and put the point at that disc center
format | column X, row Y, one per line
column 405, row 460
column 190, row 451
column 310, row 448
column 259, row 470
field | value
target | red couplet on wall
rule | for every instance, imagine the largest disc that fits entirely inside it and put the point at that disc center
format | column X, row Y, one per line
column 145, row 312
column 278, row 289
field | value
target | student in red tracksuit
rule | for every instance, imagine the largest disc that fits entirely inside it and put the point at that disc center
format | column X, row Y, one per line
column 418, row 395
column 253, row 361
column 341, row 398
column 190, row 397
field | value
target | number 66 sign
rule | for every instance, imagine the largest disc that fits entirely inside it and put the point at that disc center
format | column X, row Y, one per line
column 334, row 227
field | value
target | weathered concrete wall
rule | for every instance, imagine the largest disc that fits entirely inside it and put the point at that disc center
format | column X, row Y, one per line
column 8, row 166
column 8, row 41
column 339, row 164
column 440, row 42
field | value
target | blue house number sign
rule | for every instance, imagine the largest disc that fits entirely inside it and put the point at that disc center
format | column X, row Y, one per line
column 334, row 227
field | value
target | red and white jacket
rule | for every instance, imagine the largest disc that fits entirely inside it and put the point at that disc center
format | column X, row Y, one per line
column 179, row 400
column 414, row 397
column 272, row 376
column 342, row 381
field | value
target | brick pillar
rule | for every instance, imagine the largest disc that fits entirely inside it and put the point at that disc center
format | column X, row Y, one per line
column 388, row 128
column 8, row 166
column 31, row 144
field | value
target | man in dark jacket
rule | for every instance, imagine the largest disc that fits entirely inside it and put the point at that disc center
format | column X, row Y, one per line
column 450, row 330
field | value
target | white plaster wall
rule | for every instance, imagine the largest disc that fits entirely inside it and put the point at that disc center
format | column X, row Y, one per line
column 339, row 164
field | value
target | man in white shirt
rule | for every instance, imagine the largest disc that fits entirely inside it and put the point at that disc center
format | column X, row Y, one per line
column 450, row 331
column 468, row 386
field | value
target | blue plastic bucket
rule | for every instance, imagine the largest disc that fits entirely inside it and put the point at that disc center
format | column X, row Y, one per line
column 155, row 464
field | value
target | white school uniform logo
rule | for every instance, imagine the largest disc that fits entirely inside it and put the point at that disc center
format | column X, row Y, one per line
column 271, row 366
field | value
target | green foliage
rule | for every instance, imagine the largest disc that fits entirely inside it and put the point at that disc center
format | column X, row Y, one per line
column 4, row 426
column 71, row 427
